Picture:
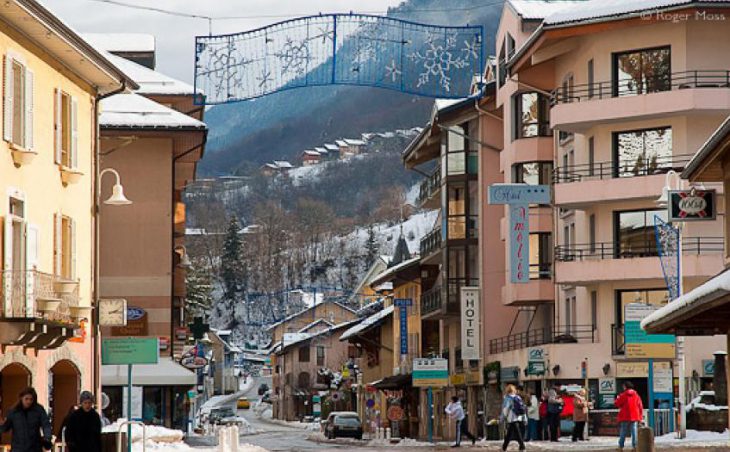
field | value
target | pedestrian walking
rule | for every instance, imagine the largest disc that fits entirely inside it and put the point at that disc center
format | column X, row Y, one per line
column 83, row 428
column 29, row 424
column 555, row 405
column 630, row 413
column 533, row 417
column 513, row 413
column 580, row 414
column 455, row 411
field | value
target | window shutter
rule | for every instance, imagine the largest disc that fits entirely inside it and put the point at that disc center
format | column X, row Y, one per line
column 72, row 247
column 28, row 144
column 8, row 265
column 57, row 244
column 73, row 161
column 29, row 277
column 57, row 124
column 8, row 100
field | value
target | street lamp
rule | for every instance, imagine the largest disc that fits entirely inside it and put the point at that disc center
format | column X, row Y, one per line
column 117, row 198
column 663, row 202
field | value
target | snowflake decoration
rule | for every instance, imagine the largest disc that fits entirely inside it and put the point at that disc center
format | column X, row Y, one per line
column 264, row 79
column 438, row 61
column 294, row 57
column 325, row 33
column 392, row 71
column 471, row 49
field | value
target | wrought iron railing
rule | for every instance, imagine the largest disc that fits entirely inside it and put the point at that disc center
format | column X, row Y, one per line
column 622, row 88
column 430, row 243
column 542, row 270
column 611, row 170
column 633, row 249
column 431, row 300
column 563, row 334
column 429, row 186
column 618, row 341
column 22, row 290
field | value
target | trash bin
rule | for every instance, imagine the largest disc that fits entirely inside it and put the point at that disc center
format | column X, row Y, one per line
column 493, row 432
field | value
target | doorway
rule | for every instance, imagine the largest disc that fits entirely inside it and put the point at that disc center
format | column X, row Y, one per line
column 63, row 394
column 13, row 378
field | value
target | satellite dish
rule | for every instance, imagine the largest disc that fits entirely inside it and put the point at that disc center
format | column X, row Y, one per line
column 104, row 401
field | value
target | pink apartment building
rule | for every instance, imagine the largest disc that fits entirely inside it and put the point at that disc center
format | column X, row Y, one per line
column 602, row 101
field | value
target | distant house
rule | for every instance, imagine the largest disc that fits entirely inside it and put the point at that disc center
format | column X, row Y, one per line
column 310, row 158
column 333, row 150
column 276, row 167
column 350, row 147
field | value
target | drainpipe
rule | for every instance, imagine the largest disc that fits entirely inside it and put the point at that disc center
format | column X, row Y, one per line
column 96, row 165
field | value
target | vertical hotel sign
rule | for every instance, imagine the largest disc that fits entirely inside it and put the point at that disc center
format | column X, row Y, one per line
column 519, row 197
column 470, row 323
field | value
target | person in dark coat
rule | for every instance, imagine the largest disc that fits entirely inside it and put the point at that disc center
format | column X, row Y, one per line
column 29, row 424
column 83, row 426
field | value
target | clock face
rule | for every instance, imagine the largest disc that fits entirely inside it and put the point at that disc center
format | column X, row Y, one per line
column 113, row 312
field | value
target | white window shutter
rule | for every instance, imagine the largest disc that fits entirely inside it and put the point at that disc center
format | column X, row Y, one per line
column 57, row 130
column 28, row 144
column 72, row 236
column 8, row 265
column 8, row 100
column 29, row 276
column 57, row 244
column 74, row 133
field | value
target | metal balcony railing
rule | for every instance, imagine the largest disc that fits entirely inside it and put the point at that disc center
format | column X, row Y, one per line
column 618, row 341
column 431, row 300
column 430, row 243
column 429, row 186
column 26, row 289
column 611, row 170
column 633, row 249
column 621, row 88
column 563, row 334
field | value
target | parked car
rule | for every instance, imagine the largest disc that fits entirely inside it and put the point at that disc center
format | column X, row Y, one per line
column 343, row 424
column 225, row 416
column 243, row 403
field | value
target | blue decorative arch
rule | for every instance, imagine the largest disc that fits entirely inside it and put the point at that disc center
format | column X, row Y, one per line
column 339, row 49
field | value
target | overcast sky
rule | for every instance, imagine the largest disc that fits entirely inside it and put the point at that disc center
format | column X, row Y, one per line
column 175, row 35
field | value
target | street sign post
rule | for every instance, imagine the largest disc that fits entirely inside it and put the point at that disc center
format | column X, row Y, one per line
column 519, row 197
column 129, row 351
column 429, row 373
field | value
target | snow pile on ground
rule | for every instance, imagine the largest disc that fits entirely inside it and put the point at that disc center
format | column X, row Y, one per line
column 154, row 433
column 695, row 436
column 262, row 410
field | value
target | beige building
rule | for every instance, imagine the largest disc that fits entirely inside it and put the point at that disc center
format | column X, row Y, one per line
column 52, row 84
column 603, row 103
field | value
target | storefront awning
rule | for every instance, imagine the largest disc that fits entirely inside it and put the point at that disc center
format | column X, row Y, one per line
column 394, row 382
column 165, row 373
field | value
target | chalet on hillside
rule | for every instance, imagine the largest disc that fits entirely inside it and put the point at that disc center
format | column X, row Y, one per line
column 310, row 158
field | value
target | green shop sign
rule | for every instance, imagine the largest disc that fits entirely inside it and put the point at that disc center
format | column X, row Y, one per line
column 129, row 350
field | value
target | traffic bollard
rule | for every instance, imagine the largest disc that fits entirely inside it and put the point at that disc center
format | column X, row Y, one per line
column 645, row 439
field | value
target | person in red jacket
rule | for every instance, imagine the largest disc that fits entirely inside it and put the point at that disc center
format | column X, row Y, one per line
column 630, row 413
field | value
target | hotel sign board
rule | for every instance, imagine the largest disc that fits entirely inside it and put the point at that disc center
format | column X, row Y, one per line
column 470, row 323
column 640, row 344
column 519, row 197
column 692, row 205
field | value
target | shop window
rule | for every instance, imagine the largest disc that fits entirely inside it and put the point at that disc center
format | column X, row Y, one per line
column 656, row 297
column 152, row 403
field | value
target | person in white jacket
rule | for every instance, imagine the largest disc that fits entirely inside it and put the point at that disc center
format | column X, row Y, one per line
column 533, row 418
column 455, row 411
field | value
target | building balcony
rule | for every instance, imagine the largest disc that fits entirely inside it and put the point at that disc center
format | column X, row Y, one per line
column 579, row 186
column 584, row 106
column 429, row 189
column 443, row 302
column 430, row 246
column 540, row 288
column 39, row 310
column 585, row 264
column 564, row 334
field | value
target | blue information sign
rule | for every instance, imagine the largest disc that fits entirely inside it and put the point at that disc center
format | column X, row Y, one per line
column 402, row 304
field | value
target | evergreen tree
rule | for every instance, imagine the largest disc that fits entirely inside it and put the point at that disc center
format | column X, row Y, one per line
column 371, row 248
column 232, row 271
column 199, row 298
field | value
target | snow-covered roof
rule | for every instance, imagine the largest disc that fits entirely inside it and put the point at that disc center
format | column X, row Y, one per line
column 539, row 9
column 367, row 323
column 149, row 81
column 130, row 110
column 310, row 152
column 315, row 323
column 341, row 143
column 395, row 269
column 441, row 104
column 321, row 150
column 331, row 147
column 710, row 290
column 329, row 330
column 597, row 9
column 283, row 164
column 297, row 314
column 354, row 142
column 121, row 42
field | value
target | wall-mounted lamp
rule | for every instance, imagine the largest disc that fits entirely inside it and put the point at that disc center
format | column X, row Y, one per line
column 556, row 369
column 606, row 368
column 184, row 259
